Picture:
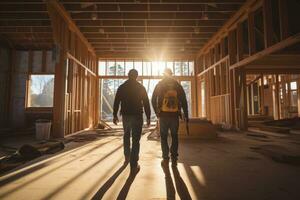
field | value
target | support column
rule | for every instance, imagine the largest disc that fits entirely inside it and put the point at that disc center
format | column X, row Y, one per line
column 276, row 109
column 239, row 98
column 59, row 37
column 298, row 95
column 59, row 97
column 262, row 95
column 232, row 96
column 243, row 101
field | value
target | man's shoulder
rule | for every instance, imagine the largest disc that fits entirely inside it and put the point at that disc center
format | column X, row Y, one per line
column 169, row 81
column 140, row 86
column 132, row 85
column 123, row 86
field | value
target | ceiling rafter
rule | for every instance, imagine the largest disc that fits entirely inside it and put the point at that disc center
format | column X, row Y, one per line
column 179, row 26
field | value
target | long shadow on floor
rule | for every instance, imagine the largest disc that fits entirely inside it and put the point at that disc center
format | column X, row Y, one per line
column 181, row 187
column 100, row 193
column 125, row 189
column 51, row 159
column 169, row 184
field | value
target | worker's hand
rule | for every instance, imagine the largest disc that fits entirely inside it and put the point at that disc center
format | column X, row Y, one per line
column 186, row 119
column 148, row 122
column 115, row 120
column 157, row 115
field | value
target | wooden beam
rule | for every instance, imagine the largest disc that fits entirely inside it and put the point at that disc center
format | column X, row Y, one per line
column 243, row 101
column 283, row 19
column 226, row 27
column 192, row 2
column 251, row 32
column 240, row 43
column 60, row 9
column 144, row 55
column 262, row 95
column 267, row 13
column 81, row 64
column 272, row 49
column 213, row 66
column 153, row 16
column 277, row 60
column 298, row 98
column 153, row 29
column 150, row 23
column 273, row 71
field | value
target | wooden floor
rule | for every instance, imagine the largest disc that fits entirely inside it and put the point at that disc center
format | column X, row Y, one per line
column 226, row 168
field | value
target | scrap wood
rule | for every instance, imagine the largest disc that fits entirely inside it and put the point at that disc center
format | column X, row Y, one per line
column 29, row 152
column 101, row 122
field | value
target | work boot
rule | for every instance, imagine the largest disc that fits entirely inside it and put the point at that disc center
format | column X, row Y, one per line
column 165, row 163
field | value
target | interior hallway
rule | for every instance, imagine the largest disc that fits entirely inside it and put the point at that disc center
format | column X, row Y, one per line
column 206, row 170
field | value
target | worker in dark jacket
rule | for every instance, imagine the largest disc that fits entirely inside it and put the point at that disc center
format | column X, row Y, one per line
column 167, row 100
column 133, row 98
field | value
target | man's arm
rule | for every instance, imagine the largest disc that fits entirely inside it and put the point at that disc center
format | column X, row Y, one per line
column 154, row 99
column 146, row 103
column 117, row 103
column 183, row 101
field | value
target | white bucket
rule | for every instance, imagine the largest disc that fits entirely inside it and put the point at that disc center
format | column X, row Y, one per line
column 42, row 129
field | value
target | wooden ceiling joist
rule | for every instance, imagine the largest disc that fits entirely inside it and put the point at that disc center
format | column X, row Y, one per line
column 162, row 29
column 121, row 23
column 60, row 9
column 153, row 16
column 184, row 2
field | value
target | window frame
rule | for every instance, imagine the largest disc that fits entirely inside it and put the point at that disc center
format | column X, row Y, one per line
column 27, row 96
column 190, row 64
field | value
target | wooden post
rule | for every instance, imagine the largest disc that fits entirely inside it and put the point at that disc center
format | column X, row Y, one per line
column 276, row 109
column 243, row 101
column 239, row 38
column 298, row 93
column 232, row 97
column 283, row 18
column 268, row 33
column 232, row 47
column 262, row 96
column 76, row 59
column 252, row 46
column 12, row 84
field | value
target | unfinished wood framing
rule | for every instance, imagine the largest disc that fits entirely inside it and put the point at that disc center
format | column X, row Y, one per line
column 245, row 54
column 238, row 65
column 75, row 76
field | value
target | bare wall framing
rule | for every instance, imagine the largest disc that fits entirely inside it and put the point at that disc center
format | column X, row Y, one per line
column 259, row 29
column 24, row 64
column 76, row 83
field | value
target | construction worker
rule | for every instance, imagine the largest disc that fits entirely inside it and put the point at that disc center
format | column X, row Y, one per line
column 167, row 100
column 133, row 98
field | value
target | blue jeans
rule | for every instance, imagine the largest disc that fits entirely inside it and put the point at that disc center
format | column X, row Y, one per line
column 132, row 125
column 166, row 124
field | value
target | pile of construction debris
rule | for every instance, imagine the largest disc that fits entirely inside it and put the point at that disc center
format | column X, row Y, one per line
column 284, row 126
column 29, row 152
